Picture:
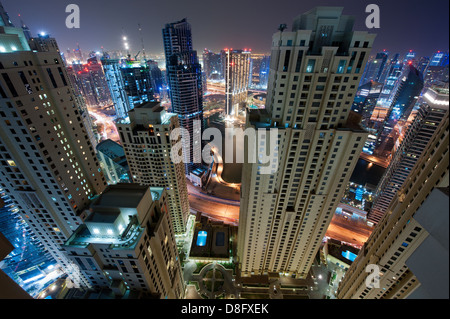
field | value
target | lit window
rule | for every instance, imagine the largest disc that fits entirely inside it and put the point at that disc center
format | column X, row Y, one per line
column 11, row 163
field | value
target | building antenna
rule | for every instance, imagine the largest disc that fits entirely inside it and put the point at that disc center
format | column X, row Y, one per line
column 142, row 42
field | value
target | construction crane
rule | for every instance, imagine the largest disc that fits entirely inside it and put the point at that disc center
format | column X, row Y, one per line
column 142, row 42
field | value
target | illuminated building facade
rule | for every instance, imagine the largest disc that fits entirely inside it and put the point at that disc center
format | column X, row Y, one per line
column 432, row 111
column 113, row 162
column 439, row 59
column 264, row 72
column 28, row 261
column 49, row 168
column 410, row 236
column 145, row 137
column 393, row 73
column 184, row 75
column 127, row 244
column 116, row 85
column 237, row 71
column 129, row 82
column 407, row 94
column 212, row 65
column 284, row 214
column 374, row 68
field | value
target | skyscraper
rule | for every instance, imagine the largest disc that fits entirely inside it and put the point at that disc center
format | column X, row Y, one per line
column 366, row 100
column 374, row 68
column 129, row 82
column 99, row 84
column 114, row 80
column 127, row 244
column 264, row 72
column 314, row 72
column 237, row 71
column 433, row 110
column 212, row 65
column 28, row 261
column 184, row 76
column 409, row 228
column 439, row 59
column 155, row 76
column 145, row 137
column 393, row 72
column 113, row 162
column 49, row 167
column 409, row 88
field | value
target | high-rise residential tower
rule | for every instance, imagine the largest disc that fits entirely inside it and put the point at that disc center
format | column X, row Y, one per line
column 374, row 68
column 129, row 82
column 212, row 65
column 114, row 80
column 314, row 73
column 237, row 71
column 408, row 248
column 410, row 85
column 432, row 111
column 393, row 72
column 127, row 244
column 49, row 167
column 145, row 137
column 184, row 76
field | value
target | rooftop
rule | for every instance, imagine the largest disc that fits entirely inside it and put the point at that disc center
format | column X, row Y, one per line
column 121, row 195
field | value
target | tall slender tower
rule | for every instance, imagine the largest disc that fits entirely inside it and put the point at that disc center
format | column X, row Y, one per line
column 410, row 86
column 184, row 76
column 48, row 165
column 432, row 111
column 409, row 244
column 314, row 73
column 237, row 74
column 145, row 137
column 129, row 82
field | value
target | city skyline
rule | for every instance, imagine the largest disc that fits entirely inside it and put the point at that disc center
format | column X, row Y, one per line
column 336, row 141
column 250, row 24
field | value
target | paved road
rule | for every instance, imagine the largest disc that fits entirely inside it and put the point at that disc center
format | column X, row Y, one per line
column 347, row 230
column 375, row 160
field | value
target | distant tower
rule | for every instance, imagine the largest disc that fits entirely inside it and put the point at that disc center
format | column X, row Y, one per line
column 129, row 82
column 25, row 29
column 237, row 74
column 433, row 110
column 409, row 88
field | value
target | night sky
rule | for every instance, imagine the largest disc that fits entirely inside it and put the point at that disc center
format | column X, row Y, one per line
column 405, row 24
